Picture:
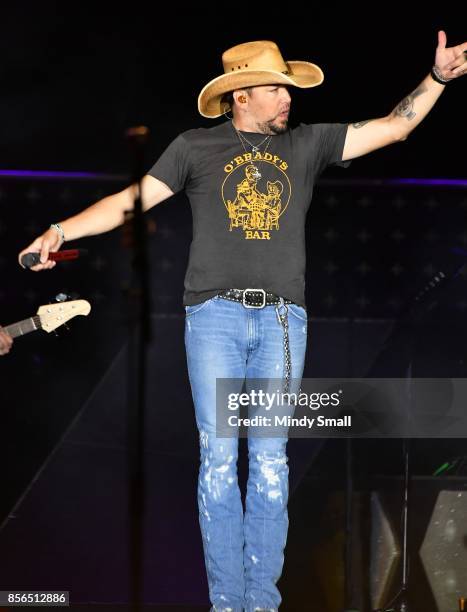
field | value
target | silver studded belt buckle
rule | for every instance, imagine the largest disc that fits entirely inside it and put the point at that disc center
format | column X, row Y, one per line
column 262, row 291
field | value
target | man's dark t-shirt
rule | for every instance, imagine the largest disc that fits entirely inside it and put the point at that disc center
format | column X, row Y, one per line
column 248, row 208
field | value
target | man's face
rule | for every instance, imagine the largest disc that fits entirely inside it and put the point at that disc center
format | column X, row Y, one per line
column 269, row 106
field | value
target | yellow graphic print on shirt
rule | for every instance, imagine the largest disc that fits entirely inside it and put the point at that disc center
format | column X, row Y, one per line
column 253, row 203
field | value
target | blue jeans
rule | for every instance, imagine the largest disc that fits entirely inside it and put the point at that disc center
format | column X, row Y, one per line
column 244, row 552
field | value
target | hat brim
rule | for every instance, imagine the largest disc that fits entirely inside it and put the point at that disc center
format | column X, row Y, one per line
column 301, row 74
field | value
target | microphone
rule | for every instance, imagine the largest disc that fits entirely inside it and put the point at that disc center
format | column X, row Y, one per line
column 31, row 259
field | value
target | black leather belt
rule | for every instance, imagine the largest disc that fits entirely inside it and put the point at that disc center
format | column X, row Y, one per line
column 252, row 298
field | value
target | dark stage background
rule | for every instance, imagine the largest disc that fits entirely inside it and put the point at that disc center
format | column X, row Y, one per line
column 73, row 79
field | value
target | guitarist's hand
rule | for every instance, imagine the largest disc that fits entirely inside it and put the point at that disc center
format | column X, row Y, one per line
column 5, row 342
column 49, row 241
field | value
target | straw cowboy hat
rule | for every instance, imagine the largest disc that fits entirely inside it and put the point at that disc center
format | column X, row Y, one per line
column 251, row 64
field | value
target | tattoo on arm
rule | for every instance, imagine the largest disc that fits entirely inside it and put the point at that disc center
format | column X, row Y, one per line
column 405, row 108
column 360, row 124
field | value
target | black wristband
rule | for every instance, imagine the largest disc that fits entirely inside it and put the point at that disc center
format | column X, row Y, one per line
column 435, row 76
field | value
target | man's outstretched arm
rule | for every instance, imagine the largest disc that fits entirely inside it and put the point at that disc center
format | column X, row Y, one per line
column 366, row 136
column 103, row 216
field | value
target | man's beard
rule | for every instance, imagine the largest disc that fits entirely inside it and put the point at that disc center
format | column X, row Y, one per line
column 280, row 129
column 269, row 127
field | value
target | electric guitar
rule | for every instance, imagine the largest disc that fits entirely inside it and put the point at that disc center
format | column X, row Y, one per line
column 49, row 317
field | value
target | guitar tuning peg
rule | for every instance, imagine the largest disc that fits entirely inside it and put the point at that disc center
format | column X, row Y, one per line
column 61, row 297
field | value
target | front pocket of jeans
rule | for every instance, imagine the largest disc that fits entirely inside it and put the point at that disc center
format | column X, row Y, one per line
column 191, row 310
column 298, row 311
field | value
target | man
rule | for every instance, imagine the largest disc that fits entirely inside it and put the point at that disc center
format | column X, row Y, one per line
column 5, row 342
column 231, row 330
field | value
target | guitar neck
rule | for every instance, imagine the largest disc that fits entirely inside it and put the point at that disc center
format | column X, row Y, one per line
column 23, row 327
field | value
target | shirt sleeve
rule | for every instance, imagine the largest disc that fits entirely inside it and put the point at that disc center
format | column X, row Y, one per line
column 173, row 166
column 331, row 141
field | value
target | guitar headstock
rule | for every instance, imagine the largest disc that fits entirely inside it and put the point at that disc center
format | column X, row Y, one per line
column 54, row 315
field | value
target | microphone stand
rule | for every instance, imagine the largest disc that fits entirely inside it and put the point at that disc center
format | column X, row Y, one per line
column 139, row 335
column 349, row 587
column 401, row 601
column 348, row 573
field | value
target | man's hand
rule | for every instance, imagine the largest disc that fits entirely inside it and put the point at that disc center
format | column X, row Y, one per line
column 49, row 241
column 5, row 342
column 451, row 62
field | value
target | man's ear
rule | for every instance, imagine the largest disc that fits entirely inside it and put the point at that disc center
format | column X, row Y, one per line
column 240, row 96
